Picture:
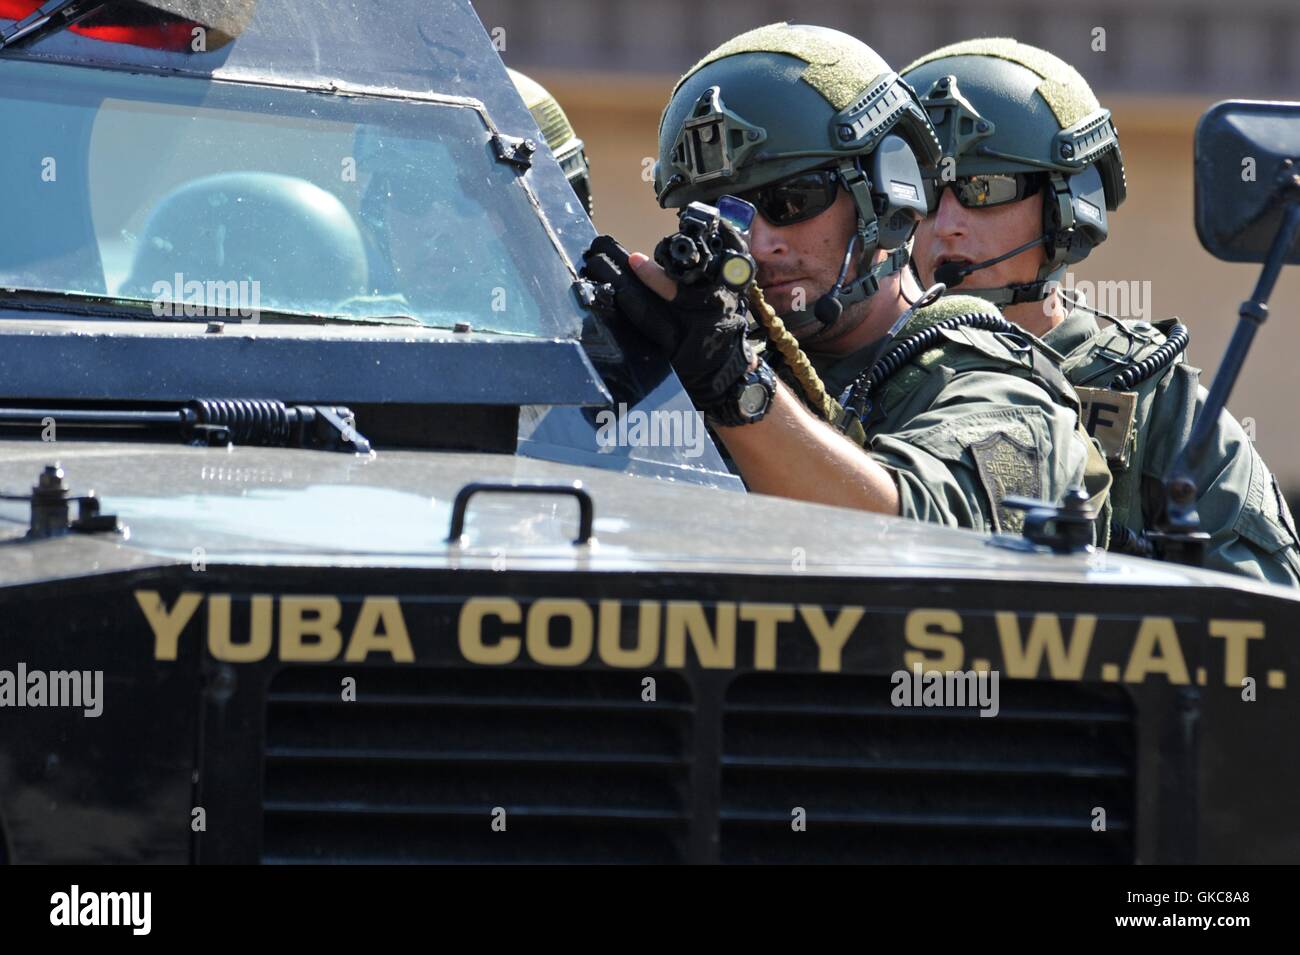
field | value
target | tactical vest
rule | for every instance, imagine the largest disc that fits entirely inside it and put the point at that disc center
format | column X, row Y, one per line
column 938, row 335
column 1118, row 417
column 1140, row 400
column 1133, row 388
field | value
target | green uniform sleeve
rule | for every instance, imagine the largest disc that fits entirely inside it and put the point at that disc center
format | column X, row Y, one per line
column 1250, row 526
column 985, row 436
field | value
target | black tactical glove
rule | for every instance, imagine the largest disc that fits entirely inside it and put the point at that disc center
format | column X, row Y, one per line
column 702, row 330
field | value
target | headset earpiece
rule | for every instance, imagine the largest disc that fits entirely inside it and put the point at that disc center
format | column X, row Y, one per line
column 1074, row 216
column 1088, row 202
column 897, row 191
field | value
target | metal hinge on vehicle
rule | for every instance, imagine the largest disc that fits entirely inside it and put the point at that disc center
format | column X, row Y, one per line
column 514, row 149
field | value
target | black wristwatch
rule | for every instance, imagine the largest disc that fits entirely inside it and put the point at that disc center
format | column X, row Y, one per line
column 746, row 401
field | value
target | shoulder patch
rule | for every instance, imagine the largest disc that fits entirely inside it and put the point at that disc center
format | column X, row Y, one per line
column 1007, row 468
column 951, row 439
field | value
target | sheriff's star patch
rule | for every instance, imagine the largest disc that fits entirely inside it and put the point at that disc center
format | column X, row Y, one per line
column 1008, row 468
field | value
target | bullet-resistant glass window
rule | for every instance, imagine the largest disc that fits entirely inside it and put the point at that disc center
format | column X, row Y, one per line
column 183, row 197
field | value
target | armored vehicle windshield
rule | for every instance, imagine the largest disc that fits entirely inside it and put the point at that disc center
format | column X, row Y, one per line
column 228, row 203
column 177, row 196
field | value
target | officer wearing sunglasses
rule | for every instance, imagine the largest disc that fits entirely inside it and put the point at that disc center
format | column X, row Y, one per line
column 834, row 160
column 811, row 193
column 1034, row 166
column 796, row 199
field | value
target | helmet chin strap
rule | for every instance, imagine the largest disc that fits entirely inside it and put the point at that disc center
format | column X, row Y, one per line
column 830, row 306
column 1015, row 294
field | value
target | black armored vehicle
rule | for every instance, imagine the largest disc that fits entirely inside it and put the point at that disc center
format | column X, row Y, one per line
column 337, row 528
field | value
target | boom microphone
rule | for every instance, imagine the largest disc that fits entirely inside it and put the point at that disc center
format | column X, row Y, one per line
column 828, row 308
column 952, row 274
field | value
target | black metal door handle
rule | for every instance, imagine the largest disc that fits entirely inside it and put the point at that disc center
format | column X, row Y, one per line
column 586, row 509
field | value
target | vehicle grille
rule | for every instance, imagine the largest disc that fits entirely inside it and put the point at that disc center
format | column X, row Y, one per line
column 936, row 785
column 413, row 769
column 588, row 772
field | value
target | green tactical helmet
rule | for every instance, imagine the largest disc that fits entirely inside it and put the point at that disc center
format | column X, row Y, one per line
column 558, row 132
column 296, row 240
column 1001, row 106
column 783, row 99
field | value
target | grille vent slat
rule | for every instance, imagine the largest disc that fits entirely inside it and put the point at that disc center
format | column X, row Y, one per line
column 413, row 769
column 890, row 784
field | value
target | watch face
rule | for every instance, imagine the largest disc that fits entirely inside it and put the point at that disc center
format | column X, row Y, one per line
column 753, row 399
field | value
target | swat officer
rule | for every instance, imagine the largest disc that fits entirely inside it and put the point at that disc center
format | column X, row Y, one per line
column 813, row 128
column 1034, row 166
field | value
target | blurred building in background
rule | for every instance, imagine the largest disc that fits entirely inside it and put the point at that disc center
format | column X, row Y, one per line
column 1157, row 64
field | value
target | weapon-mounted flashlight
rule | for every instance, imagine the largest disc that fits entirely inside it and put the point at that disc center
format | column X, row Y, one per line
column 711, row 245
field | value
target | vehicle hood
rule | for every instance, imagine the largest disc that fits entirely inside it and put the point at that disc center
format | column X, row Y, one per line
column 278, row 507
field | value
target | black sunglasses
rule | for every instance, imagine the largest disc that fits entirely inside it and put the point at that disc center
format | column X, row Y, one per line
column 795, row 199
column 989, row 189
